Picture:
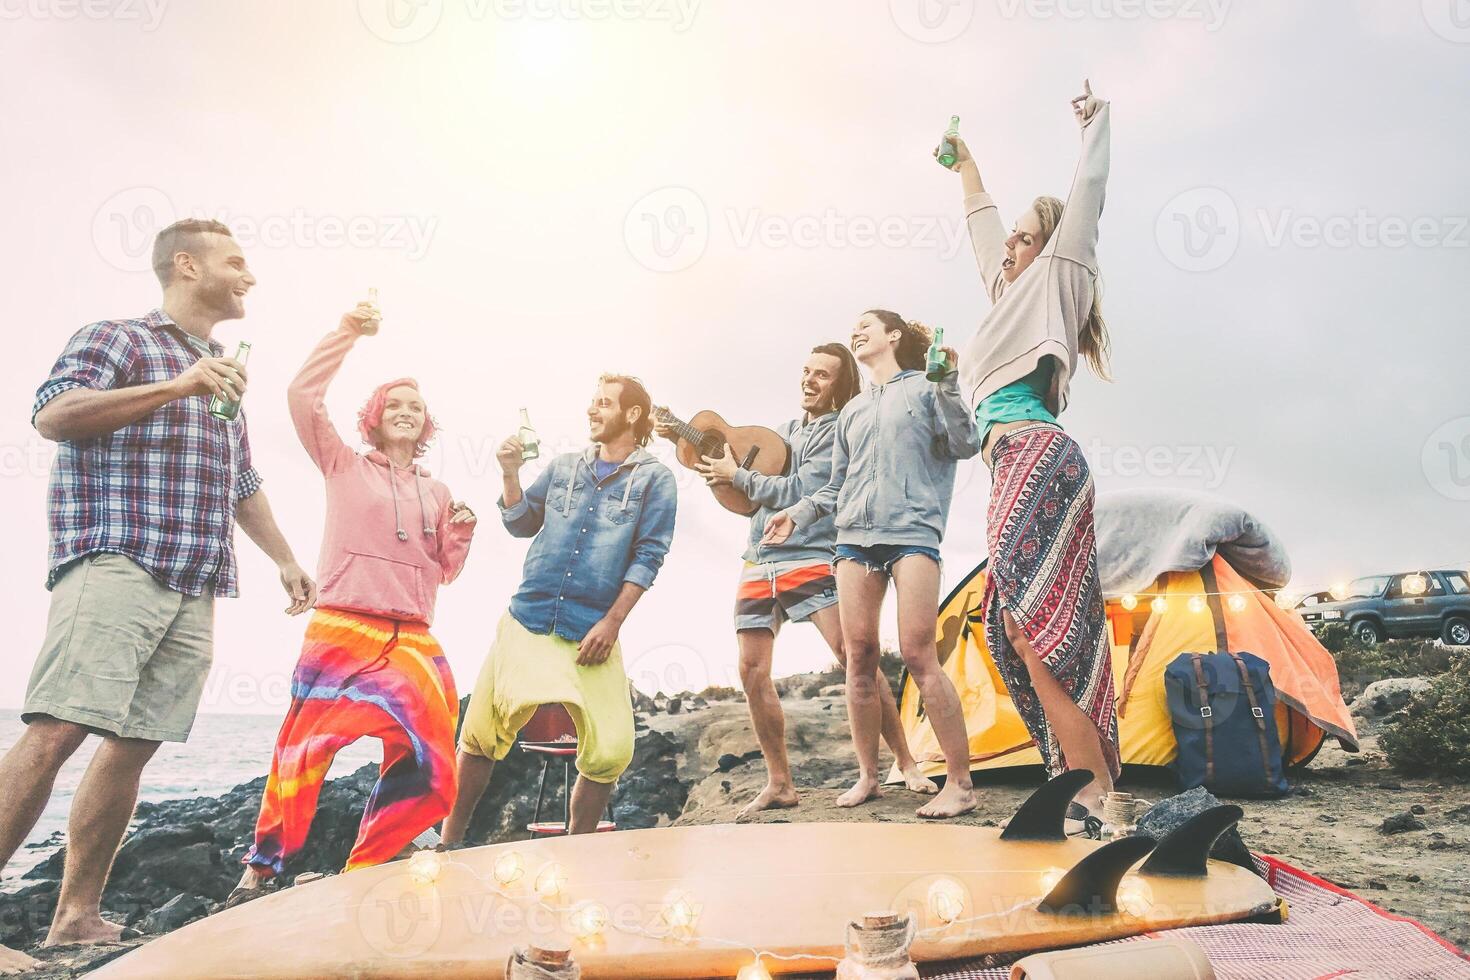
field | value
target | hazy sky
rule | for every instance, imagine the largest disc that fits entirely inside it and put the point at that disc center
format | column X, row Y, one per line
column 699, row 192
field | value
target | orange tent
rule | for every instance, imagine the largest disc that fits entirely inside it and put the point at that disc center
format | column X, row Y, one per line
column 1227, row 613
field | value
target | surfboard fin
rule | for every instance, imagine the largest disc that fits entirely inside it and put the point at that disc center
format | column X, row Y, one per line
column 1091, row 887
column 1184, row 850
column 1043, row 817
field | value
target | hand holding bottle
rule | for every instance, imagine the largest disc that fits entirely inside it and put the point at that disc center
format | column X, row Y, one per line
column 365, row 318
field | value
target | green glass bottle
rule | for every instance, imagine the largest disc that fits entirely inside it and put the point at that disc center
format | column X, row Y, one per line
column 228, row 409
column 947, row 152
column 530, row 442
column 938, row 362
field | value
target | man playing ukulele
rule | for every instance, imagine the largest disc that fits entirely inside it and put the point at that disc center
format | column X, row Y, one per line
column 793, row 581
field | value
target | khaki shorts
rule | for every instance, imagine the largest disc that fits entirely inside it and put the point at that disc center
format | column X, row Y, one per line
column 124, row 654
column 526, row 670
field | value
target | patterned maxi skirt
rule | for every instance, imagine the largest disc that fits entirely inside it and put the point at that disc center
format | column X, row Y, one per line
column 1043, row 569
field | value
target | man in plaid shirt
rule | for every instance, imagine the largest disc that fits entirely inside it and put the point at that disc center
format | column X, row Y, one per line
column 145, row 493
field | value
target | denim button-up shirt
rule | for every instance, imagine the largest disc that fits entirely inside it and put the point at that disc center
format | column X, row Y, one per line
column 591, row 537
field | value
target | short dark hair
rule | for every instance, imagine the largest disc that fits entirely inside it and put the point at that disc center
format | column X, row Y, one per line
column 182, row 236
column 848, row 382
column 913, row 346
column 633, row 395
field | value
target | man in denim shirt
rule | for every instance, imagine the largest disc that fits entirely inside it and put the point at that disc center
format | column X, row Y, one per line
column 602, row 522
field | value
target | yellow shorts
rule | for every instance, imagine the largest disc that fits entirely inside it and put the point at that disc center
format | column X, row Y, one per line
column 523, row 672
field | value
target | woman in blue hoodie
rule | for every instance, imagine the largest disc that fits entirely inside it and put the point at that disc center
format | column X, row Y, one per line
column 893, row 468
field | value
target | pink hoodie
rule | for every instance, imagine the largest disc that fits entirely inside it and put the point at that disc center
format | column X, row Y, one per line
column 364, row 566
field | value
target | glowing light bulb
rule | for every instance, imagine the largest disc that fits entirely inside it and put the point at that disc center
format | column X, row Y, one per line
column 550, row 880
column 946, row 899
column 680, row 911
column 753, row 971
column 509, row 868
column 1236, row 602
column 1134, row 896
column 1129, row 602
column 1338, row 591
column 1415, row 584
column 1160, row 605
column 425, row 866
column 1050, row 878
column 588, row 920
column 1196, row 603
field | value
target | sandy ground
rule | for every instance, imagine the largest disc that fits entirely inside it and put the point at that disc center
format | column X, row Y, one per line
column 1328, row 826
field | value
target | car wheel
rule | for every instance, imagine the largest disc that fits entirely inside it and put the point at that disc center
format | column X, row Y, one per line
column 1367, row 632
column 1456, row 632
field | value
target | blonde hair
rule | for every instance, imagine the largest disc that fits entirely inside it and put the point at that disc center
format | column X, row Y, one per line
column 1092, row 339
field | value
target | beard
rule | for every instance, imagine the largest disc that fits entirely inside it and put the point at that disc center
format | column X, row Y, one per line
column 613, row 429
column 217, row 294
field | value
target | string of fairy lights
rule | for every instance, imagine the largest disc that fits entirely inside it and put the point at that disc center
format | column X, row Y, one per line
column 1236, row 600
column 678, row 917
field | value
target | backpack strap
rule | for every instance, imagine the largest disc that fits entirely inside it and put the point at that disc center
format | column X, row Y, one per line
column 1208, row 714
column 1256, row 710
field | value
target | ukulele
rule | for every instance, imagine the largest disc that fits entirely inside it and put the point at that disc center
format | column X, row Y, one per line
column 756, row 448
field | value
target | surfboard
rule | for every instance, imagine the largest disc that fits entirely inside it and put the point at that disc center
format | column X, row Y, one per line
column 686, row 902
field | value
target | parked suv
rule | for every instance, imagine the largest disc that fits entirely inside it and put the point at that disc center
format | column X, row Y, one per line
column 1410, row 604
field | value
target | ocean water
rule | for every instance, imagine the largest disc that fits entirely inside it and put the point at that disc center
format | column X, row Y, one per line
column 223, row 752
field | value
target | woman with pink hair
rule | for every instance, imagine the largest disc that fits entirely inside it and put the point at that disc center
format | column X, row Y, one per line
column 369, row 667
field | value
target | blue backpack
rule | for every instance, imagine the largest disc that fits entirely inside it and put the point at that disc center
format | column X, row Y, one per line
column 1223, row 706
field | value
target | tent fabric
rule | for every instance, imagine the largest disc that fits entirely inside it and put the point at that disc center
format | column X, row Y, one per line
column 1329, row 932
column 1309, row 705
column 1142, row 534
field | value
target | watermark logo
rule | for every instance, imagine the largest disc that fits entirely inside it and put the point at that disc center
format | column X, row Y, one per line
column 401, row 21
column 124, row 226
column 1446, row 459
column 932, row 21
column 400, row 918
column 667, row 230
column 1199, row 229
column 672, row 668
column 148, row 14
column 1450, row 19
column 1210, row 13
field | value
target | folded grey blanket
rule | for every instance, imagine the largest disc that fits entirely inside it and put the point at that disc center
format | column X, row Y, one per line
column 1143, row 533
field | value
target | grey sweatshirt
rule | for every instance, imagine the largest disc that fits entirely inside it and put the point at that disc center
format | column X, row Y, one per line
column 809, row 470
column 1039, row 314
column 893, row 463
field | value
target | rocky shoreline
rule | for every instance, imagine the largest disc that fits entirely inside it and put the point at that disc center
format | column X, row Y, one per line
column 1405, row 843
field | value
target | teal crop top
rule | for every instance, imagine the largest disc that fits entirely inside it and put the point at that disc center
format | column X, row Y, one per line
column 1017, row 401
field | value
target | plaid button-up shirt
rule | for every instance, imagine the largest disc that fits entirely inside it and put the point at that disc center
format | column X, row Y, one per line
column 162, row 490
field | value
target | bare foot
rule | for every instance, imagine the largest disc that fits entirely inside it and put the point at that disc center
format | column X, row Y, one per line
column 85, row 930
column 865, row 789
column 952, row 801
column 771, row 798
column 14, row 961
column 916, row 782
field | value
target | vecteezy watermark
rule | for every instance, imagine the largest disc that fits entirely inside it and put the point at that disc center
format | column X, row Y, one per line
column 407, row 21
column 1446, row 459
column 1208, row 466
column 148, row 14
column 669, row 229
column 1199, row 230
column 932, row 21
column 124, row 226
column 672, row 668
column 1210, row 13
column 1450, row 19
column 30, row 459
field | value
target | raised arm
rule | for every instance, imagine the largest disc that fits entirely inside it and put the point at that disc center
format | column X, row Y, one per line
column 952, row 414
column 307, row 394
column 523, row 512
column 1076, row 234
column 982, row 220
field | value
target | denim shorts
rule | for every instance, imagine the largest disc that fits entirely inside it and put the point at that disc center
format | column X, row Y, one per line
column 882, row 557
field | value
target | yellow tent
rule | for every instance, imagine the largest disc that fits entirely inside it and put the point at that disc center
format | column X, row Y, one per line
column 1208, row 609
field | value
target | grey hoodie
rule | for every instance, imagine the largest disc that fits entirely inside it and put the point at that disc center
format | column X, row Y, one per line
column 809, row 470
column 893, row 463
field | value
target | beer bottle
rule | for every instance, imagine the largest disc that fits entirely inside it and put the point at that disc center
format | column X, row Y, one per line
column 938, row 361
column 947, row 152
column 530, row 442
column 228, row 409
